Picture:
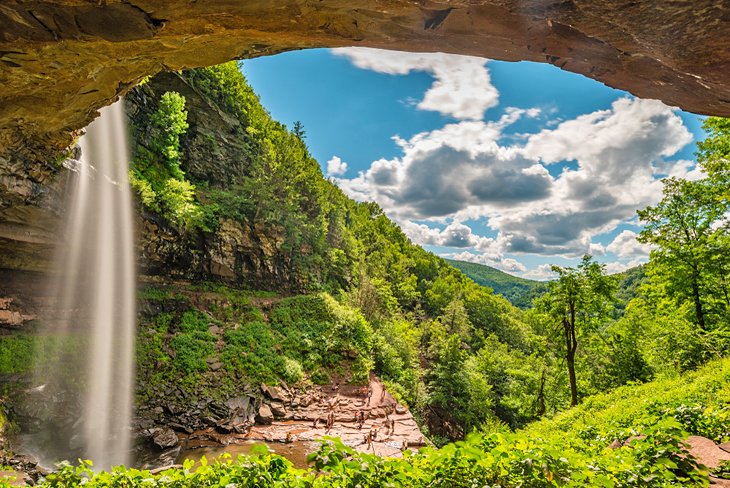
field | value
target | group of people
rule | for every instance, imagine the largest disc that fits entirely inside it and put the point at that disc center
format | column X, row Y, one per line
column 387, row 428
column 329, row 423
column 370, row 394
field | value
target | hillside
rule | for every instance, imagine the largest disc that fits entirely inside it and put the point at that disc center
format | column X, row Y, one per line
column 519, row 291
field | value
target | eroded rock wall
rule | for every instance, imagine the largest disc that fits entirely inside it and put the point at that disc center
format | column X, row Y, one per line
column 61, row 60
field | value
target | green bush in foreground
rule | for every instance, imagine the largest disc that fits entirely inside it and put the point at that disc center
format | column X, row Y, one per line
column 499, row 460
column 571, row 450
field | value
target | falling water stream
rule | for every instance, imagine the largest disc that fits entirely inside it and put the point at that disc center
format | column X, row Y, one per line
column 95, row 293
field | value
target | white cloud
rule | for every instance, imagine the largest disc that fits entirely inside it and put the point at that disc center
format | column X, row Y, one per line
column 336, row 167
column 462, row 87
column 466, row 171
column 508, row 265
column 621, row 266
column 450, row 170
column 688, row 170
column 625, row 245
column 541, row 273
column 455, row 234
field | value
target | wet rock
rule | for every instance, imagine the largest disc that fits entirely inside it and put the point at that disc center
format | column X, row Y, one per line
column 154, row 460
column 181, row 427
column 165, row 438
column 175, row 409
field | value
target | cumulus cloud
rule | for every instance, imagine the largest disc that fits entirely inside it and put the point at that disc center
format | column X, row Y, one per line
column 508, row 265
column 462, row 86
column 336, row 167
column 625, row 245
column 449, row 170
column 466, row 171
column 541, row 273
column 621, row 266
column 455, row 234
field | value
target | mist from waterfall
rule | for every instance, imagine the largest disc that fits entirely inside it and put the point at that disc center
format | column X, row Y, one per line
column 95, row 297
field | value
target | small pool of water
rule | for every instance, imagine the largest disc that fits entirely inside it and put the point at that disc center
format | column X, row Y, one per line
column 296, row 452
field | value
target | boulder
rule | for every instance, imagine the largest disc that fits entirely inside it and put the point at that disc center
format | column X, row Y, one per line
column 165, row 438
column 265, row 416
column 278, row 409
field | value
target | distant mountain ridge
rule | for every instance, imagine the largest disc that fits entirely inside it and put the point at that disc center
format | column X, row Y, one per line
column 519, row 291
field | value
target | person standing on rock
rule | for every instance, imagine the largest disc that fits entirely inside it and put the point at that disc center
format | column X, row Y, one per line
column 370, row 394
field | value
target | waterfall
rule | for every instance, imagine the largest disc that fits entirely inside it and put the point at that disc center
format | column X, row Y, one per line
column 95, row 292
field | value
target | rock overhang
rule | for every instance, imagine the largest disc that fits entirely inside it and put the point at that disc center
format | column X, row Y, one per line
column 61, row 60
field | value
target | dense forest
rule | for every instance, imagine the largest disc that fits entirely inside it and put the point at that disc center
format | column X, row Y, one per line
column 456, row 353
column 354, row 295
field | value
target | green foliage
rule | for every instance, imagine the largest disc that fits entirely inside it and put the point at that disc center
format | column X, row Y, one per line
column 442, row 343
column 320, row 333
column 156, row 174
column 191, row 351
column 506, row 460
column 251, row 350
column 16, row 353
column 169, row 123
column 699, row 401
column 579, row 301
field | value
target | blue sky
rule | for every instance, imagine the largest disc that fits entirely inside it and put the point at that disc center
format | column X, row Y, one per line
column 514, row 165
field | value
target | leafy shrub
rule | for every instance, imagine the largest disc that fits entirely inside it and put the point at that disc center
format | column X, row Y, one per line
column 194, row 320
column 251, row 352
column 293, row 371
column 504, row 460
column 191, row 351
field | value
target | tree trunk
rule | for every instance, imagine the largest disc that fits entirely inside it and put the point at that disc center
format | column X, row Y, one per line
column 541, row 397
column 571, row 375
column 571, row 343
column 699, row 312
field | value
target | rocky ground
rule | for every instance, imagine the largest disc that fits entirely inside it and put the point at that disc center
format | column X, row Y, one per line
column 366, row 418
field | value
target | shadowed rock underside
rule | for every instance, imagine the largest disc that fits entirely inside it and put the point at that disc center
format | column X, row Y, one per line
column 61, row 60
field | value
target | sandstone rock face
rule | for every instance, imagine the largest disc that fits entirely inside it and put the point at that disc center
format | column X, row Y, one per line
column 63, row 59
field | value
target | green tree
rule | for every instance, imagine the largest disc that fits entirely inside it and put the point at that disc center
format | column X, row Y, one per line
column 579, row 297
column 298, row 130
column 690, row 245
column 169, row 122
column 689, row 228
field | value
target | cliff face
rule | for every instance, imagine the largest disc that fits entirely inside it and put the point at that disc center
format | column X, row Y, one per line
column 214, row 154
column 63, row 59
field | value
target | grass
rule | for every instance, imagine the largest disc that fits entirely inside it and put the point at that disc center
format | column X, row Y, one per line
column 698, row 400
